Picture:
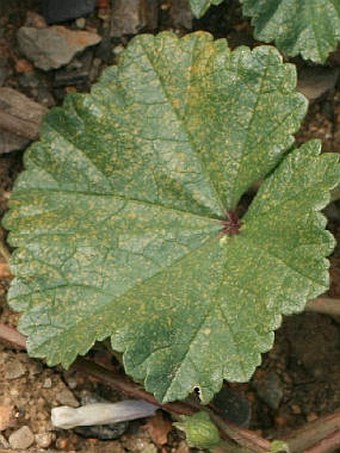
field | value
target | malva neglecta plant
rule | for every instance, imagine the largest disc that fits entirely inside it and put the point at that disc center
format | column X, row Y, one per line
column 126, row 220
column 307, row 27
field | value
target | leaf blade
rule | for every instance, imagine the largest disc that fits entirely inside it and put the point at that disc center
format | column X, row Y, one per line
column 310, row 28
column 104, row 250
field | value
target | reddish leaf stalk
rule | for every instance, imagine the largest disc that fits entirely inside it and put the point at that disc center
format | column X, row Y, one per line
column 231, row 224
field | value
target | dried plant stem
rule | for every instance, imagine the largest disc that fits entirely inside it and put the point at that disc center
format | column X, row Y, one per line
column 12, row 336
column 326, row 445
column 325, row 305
column 323, row 431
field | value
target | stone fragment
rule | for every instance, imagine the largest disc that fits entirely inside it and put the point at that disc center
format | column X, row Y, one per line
column 131, row 16
column 47, row 384
column 37, row 87
column 76, row 73
column 81, row 23
column 55, row 46
column 315, row 82
column 112, row 431
column 270, row 389
column 20, row 119
column 180, row 13
column 21, row 439
column 62, row 10
column 14, row 370
column 44, row 440
column 65, row 397
column 232, row 406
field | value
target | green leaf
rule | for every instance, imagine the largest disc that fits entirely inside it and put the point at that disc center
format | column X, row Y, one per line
column 307, row 27
column 118, row 217
column 200, row 7
column 199, row 430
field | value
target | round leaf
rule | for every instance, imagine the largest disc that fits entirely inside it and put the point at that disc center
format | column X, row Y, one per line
column 119, row 218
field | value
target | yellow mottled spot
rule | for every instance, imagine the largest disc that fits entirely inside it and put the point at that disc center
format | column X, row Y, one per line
column 224, row 240
column 207, row 332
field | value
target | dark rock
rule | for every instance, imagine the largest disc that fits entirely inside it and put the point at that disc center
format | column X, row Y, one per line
column 105, row 50
column 37, row 87
column 103, row 432
column 4, row 69
column 232, row 406
column 181, row 14
column 270, row 389
column 62, row 10
column 76, row 74
column 53, row 47
column 315, row 82
column 131, row 16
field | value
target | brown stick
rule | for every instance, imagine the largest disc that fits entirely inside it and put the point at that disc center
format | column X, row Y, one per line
column 128, row 387
column 311, row 434
column 12, row 336
column 326, row 445
column 325, row 305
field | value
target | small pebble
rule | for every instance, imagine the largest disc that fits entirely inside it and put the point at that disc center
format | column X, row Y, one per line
column 72, row 383
column 21, row 439
column 80, row 23
column 118, row 49
column 47, row 384
column 22, row 65
column 312, row 417
column 296, row 410
column 66, row 398
column 44, row 440
column 103, row 432
column 14, row 370
column 270, row 390
column 35, row 368
column 151, row 448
